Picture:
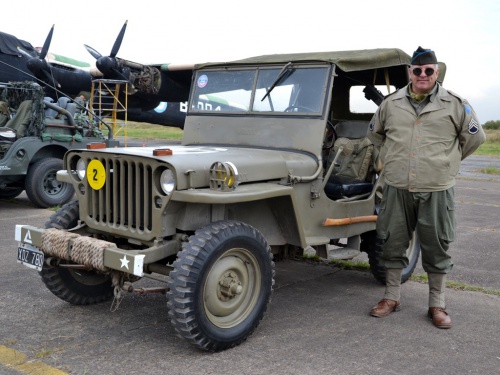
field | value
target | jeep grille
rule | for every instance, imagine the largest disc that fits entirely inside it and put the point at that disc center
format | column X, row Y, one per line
column 126, row 200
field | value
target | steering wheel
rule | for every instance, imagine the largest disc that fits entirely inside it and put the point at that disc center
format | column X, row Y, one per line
column 299, row 108
column 330, row 137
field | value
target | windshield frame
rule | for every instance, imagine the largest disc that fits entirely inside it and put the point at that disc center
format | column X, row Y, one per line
column 252, row 95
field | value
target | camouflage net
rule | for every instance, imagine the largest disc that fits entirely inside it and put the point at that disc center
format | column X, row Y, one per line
column 17, row 92
column 87, row 251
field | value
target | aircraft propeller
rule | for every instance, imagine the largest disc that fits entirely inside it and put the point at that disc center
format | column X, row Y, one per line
column 109, row 66
column 39, row 66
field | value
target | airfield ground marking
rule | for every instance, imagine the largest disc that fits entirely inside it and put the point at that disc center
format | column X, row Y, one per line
column 15, row 360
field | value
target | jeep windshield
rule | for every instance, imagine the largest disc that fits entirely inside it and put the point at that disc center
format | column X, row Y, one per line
column 263, row 90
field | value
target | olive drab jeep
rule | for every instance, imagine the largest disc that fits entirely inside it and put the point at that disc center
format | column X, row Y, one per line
column 273, row 162
column 35, row 132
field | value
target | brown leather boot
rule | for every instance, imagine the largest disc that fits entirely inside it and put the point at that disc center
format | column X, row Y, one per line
column 439, row 317
column 385, row 307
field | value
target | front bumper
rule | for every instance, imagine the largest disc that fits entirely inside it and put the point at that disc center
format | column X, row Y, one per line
column 91, row 252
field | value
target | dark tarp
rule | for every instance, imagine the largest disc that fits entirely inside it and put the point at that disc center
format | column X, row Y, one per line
column 9, row 44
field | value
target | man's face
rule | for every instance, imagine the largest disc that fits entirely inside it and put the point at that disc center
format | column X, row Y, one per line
column 423, row 83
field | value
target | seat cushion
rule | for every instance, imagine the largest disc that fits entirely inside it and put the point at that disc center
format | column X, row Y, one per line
column 341, row 187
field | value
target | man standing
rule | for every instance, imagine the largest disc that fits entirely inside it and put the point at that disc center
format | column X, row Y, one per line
column 422, row 132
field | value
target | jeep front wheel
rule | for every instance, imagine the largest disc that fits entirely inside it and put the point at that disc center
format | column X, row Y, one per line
column 372, row 248
column 42, row 187
column 10, row 192
column 221, row 285
column 76, row 286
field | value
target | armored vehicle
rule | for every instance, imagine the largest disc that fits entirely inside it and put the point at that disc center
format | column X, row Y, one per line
column 35, row 132
column 273, row 163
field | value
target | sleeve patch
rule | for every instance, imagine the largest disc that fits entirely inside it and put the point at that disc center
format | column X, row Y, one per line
column 468, row 109
column 371, row 126
column 473, row 126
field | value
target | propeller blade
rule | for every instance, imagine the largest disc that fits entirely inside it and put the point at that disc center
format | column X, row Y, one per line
column 51, row 79
column 118, row 41
column 93, row 52
column 46, row 45
column 24, row 52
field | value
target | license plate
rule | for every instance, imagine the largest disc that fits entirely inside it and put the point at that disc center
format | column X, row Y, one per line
column 30, row 256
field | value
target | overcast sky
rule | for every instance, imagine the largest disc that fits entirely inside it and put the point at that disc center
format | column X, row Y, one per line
column 465, row 34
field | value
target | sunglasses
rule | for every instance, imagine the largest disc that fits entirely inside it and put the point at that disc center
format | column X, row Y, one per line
column 428, row 71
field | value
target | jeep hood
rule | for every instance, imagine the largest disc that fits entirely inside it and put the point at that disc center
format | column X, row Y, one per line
column 191, row 164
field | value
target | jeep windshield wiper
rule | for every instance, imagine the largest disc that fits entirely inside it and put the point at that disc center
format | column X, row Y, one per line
column 284, row 73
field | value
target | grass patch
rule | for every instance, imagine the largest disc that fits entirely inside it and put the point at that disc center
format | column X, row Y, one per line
column 43, row 353
column 459, row 286
column 490, row 170
column 492, row 145
column 46, row 353
column 348, row 265
column 311, row 257
column 143, row 130
column 420, row 278
column 423, row 279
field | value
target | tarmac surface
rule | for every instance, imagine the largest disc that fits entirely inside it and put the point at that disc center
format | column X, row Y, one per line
column 317, row 322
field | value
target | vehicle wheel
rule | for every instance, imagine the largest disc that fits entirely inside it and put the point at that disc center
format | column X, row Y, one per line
column 77, row 287
column 221, row 285
column 372, row 248
column 42, row 187
column 10, row 192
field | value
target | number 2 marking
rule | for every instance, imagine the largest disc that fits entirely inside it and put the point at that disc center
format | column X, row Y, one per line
column 96, row 175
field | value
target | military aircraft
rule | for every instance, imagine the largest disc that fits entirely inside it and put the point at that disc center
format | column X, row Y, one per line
column 156, row 94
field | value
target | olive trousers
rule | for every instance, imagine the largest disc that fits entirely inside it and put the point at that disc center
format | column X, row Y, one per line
column 431, row 214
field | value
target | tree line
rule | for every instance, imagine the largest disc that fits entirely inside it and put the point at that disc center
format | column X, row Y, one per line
column 491, row 125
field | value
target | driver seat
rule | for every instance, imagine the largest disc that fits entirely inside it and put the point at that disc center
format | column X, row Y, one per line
column 351, row 176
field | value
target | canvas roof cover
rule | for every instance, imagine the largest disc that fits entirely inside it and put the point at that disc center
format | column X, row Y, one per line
column 348, row 61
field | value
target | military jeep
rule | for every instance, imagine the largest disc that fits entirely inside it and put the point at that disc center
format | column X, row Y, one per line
column 35, row 132
column 273, row 163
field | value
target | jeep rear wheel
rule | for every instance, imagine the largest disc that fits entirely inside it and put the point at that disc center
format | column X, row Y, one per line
column 42, row 187
column 78, row 287
column 221, row 285
column 373, row 249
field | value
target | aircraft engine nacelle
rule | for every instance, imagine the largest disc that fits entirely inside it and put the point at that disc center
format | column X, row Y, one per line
column 143, row 78
column 148, row 80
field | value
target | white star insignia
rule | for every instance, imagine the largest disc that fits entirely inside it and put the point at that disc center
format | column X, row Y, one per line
column 125, row 262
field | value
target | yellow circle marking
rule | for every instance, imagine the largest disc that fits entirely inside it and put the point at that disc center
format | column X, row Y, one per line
column 96, row 174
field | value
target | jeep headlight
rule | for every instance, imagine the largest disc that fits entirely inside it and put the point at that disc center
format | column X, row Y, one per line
column 223, row 176
column 167, row 181
column 81, row 166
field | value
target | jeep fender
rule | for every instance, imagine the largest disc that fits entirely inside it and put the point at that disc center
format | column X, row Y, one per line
column 28, row 150
column 283, row 222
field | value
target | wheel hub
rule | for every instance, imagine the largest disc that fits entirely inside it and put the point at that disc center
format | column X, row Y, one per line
column 229, row 286
column 51, row 184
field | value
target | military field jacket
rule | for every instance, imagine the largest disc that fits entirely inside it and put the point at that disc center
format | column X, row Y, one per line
column 423, row 153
